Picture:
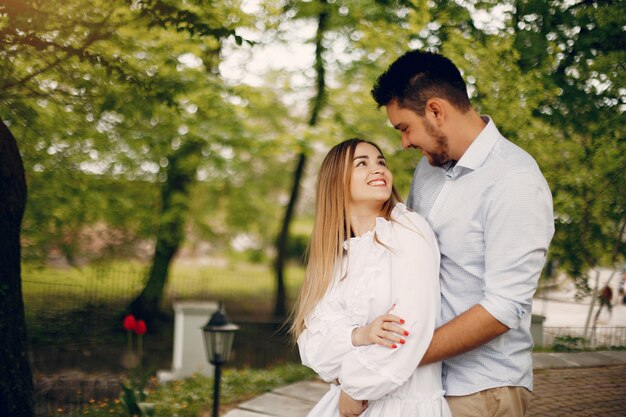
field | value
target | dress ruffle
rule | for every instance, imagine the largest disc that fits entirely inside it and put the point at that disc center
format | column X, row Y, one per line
column 368, row 268
column 428, row 406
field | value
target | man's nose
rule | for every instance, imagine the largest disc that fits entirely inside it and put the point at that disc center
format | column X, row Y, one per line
column 405, row 142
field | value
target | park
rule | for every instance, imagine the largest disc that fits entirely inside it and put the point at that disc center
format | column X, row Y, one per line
column 161, row 154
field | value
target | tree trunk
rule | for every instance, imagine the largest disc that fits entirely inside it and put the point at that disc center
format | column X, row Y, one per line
column 16, row 382
column 280, row 305
column 594, row 296
column 181, row 174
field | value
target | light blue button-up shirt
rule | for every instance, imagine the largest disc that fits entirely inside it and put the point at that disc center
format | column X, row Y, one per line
column 492, row 214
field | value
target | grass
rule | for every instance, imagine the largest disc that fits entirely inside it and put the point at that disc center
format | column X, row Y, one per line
column 57, row 291
column 192, row 397
column 124, row 277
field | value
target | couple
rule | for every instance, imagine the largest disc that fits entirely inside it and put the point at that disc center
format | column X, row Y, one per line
column 390, row 292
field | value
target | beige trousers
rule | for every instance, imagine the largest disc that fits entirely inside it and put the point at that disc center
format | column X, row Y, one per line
column 493, row 402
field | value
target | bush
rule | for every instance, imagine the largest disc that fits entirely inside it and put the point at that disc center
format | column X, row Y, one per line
column 570, row 344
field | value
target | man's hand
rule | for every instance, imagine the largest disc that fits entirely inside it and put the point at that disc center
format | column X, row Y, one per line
column 349, row 407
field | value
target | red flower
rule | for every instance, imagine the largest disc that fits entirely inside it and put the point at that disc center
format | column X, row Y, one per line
column 140, row 327
column 129, row 322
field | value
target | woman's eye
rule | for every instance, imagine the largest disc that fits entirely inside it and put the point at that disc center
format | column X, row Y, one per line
column 360, row 163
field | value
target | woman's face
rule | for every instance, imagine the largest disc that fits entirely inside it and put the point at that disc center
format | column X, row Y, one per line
column 370, row 181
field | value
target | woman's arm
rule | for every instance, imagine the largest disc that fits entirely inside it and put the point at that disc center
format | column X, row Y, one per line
column 324, row 343
column 373, row 371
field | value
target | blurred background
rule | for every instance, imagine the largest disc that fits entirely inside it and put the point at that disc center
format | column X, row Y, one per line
column 170, row 149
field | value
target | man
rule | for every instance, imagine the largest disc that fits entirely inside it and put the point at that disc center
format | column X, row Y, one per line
column 491, row 210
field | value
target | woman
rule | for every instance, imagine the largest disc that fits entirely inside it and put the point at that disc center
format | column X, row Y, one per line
column 369, row 256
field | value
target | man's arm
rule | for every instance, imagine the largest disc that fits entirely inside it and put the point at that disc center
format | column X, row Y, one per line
column 519, row 205
column 467, row 331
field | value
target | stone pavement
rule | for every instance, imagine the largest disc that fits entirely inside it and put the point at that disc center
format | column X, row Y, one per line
column 585, row 384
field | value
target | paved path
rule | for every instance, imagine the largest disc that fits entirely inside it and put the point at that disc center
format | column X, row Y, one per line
column 566, row 384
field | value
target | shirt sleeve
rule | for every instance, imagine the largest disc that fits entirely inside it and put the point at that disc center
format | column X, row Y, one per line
column 325, row 341
column 373, row 371
column 519, row 224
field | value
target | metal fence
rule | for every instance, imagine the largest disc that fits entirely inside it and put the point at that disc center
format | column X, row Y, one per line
column 104, row 287
column 90, row 308
column 598, row 337
column 107, row 290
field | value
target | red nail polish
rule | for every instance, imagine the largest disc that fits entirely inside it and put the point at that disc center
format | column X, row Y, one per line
column 402, row 341
column 401, row 321
column 394, row 346
column 406, row 333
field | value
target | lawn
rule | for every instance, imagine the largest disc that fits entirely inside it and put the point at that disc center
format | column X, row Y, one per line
column 249, row 287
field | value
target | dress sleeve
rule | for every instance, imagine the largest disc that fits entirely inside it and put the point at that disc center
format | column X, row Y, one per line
column 326, row 340
column 373, row 371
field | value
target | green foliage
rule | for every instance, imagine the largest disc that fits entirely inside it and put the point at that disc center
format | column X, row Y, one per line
column 577, row 52
column 569, row 344
column 193, row 396
column 129, row 98
column 134, row 394
column 102, row 94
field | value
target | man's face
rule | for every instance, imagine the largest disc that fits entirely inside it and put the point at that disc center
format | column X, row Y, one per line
column 417, row 132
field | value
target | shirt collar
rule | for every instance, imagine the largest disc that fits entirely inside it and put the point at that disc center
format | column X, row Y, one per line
column 479, row 149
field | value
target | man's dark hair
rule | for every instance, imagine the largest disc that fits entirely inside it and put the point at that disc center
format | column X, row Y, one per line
column 418, row 76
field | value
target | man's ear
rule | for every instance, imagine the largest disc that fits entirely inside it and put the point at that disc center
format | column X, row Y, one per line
column 435, row 111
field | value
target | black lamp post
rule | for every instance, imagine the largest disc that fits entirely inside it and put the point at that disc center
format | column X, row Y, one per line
column 219, row 333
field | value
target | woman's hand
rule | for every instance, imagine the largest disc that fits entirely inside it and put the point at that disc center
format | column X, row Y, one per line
column 384, row 330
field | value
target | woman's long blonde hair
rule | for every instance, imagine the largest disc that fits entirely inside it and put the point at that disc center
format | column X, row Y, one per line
column 331, row 228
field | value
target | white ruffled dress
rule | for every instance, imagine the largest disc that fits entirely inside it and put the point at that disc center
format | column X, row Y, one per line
column 403, row 270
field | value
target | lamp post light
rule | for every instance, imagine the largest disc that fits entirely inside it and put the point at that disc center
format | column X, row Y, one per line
column 219, row 334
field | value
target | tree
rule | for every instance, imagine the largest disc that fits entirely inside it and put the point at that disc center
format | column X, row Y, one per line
column 16, row 387
column 181, row 173
column 579, row 48
column 99, row 65
column 322, row 16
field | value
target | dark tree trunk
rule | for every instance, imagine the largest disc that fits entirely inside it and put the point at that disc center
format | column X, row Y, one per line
column 16, row 380
column 181, row 174
column 280, row 304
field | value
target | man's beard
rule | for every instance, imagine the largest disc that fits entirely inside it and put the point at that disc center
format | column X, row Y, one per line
column 440, row 156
